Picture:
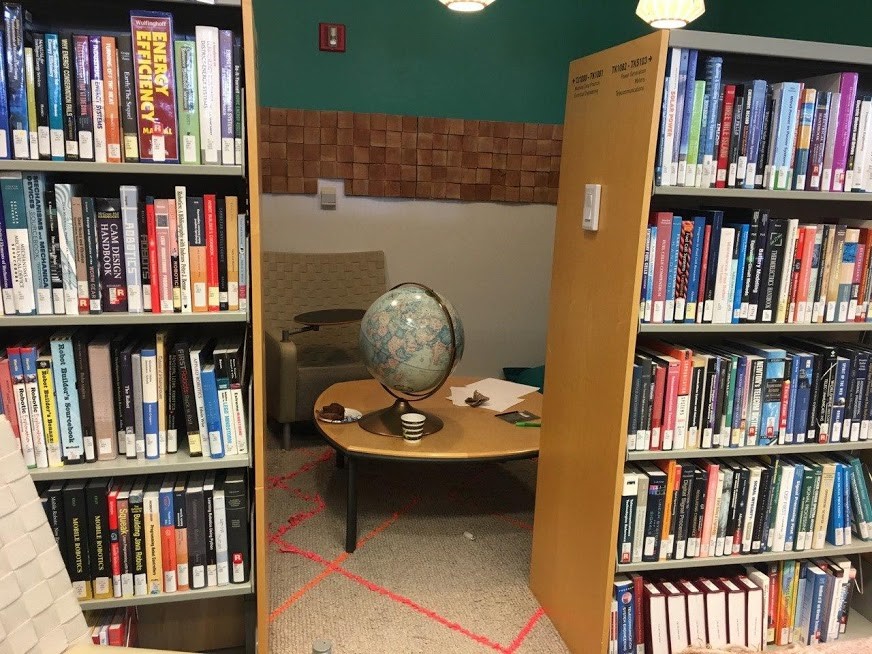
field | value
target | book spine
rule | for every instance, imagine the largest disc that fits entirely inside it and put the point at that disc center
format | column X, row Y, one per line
column 132, row 265
column 211, row 234
column 161, row 378
column 5, row 149
column 172, row 402
column 180, row 525
column 144, row 260
column 98, row 100
column 152, row 255
column 84, row 106
column 724, row 141
column 162, row 235
column 137, row 542
column 45, row 384
column 803, row 139
column 34, row 190
column 183, row 248
column 125, row 543
column 68, row 93
column 110, row 240
column 175, row 272
column 77, row 530
column 209, row 89
column 98, row 539
column 114, row 541
column 238, row 130
column 38, row 72
column 92, row 261
column 7, row 394
column 83, row 387
column 153, row 551
column 189, row 403
column 848, row 94
column 34, row 407
column 236, row 500
column 152, row 35
column 196, row 520
column 211, row 560
column 232, row 238
column 149, row 402
column 225, row 60
column 127, row 98
column 54, row 254
column 243, row 262
column 189, row 116
column 18, row 240
column 126, row 408
column 30, row 93
column 221, row 556
column 105, row 427
column 221, row 253
column 212, row 411
column 55, row 97
column 168, row 540
column 13, row 16
column 112, row 116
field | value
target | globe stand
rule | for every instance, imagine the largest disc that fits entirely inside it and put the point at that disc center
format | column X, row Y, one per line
column 387, row 421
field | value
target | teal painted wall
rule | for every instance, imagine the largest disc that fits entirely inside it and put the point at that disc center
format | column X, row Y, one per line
column 508, row 62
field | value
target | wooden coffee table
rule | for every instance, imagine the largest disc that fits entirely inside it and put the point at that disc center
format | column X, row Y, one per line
column 469, row 435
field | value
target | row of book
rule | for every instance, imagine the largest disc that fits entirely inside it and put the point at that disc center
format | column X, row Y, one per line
column 81, row 398
column 808, row 135
column 130, row 537
column 142, row 94
column 63, row 252
column 801, row 602
column 116, row 627
column 754, row 268
column 745, row 393
column 719, row 508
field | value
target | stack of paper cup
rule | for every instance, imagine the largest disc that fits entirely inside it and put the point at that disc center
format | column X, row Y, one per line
column 413, row 426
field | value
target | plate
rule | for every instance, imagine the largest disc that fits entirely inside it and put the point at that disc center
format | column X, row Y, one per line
column 351, row 415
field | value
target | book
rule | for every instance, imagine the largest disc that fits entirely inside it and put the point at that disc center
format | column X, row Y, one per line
column 209, row 93
column 152, row 539
column 112, row 246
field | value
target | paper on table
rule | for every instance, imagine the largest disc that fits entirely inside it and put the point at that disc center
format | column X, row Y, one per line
column 502, row 394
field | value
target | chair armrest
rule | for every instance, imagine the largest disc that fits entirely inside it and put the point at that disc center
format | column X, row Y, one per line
column 281, row 376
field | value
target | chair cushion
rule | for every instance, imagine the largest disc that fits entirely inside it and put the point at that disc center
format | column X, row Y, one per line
column 319, row 368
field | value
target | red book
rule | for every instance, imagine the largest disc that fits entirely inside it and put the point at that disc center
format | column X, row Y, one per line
column 724, row 138
column 684, row 356
column 670, row 403
column 116, row 628
column 639, row 605
column 114, row 543
column 164, row 278
column 8, row 396
column 212, row 252
column 168, row 536
column 706, row 543
column 862, row 309
column 793, row 289
column 700, row 304
column 663, row 221
column 152, row 254
column 657, row 408
column 803, row 304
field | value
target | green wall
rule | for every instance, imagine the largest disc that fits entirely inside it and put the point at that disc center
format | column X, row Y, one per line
column 508, row 62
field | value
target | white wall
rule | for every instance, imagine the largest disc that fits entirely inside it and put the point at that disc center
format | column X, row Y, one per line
column 492, row 261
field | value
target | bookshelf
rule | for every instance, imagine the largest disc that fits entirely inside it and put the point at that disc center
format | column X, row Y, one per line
column 610, row 138
column 241, row 620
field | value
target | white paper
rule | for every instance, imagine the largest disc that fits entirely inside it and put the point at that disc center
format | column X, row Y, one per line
column 502, row 394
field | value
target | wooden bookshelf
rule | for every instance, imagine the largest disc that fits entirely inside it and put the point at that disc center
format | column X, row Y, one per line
column 757, row 450
column 211, row 592
column 610, row 138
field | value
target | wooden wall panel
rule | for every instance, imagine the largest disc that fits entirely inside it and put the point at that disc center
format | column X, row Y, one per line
column 609, row 138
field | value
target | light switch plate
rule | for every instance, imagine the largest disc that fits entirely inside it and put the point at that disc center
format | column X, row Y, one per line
column 590, row 213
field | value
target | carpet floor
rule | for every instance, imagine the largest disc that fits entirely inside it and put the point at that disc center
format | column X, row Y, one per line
column 441, row 565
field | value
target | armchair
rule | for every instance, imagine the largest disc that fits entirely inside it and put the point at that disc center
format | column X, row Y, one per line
column 302, row 367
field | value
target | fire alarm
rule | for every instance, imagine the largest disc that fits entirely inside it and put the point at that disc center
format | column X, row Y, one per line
column 332, row 37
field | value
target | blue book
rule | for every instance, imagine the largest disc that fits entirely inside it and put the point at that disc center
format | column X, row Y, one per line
column 67, row 395
column 755, row 130
column 793, row 506
column 800, row 390
column 785, row 135
column 679, row 114
column 672, row 270
column 840, row 397
column 646, row 266
column 742, row 232
column 806, row 121
column 695, row 266
column 14, row 18
column 626, row 627
column 658, row 169
column 148, row 362
column 18, row 240
column 687, row 111
column 836, row 523
column 847, row 473
column 713, row 66
column 738, row 431
column 773, row 376
column 213, row 411
column 812, row 604
column 4, row 106
column 37, row 227
column 55, row 101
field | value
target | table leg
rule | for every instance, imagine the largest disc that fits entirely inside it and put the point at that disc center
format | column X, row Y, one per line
column 351, row 508
column 340, row 459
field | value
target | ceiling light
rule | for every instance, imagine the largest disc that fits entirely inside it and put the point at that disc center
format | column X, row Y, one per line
column 669, row 14
column 466, row 5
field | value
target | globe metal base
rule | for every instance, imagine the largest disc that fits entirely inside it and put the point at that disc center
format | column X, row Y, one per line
column 387, row 421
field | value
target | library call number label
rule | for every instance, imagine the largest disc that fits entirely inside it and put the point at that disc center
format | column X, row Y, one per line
column 587, row 83
column 633, row 74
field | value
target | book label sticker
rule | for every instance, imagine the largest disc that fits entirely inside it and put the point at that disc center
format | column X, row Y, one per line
column 189, row 147
column 20, row 143
column 104, row 446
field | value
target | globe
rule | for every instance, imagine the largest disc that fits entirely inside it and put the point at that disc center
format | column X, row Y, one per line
column 411, row 338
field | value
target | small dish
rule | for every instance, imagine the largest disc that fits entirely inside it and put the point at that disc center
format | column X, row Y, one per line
column 351, row 415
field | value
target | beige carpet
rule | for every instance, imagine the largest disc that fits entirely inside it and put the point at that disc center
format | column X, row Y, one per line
column 416, row 583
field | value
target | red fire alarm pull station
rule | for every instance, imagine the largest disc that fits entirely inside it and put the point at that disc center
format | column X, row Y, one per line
column 332, row 37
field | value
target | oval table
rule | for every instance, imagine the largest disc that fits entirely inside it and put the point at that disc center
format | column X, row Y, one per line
column 469, row 435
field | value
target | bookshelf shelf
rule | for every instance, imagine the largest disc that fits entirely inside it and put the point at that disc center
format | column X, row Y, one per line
column 177, row 462
column 773, row 450
column 757, row 195
column 859, row 547
column 104, row 319
column 46, row 166
column 185, row 596
column 858, row 627
column 751, row 328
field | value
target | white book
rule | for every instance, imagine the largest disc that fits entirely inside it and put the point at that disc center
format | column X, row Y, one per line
column 148, row 362
column 209, row 93
column 63, row 200
column 37, row 226
column 761, row 579
column 785, row 491
column 209, row 497
column 239, row 427
column 196, row 348
column 669, row 135
column 855, row 178
column 775, row 113
column 676, row 609
column 181, row 194
column 786, row 271
column 724, row 546
column 164, row 445
column 716, row 613
column 825, row 497
column 152, row 540
column 751, row 504
column 852, row 237
column 130, row 227
column 639, row 526
column 34, row 409
column 98, row 106
column 22, row 405
column 723, row 302
column 850, row 573
column 657, row 620
column 755, row 632
column 243, row 263
column 218, row 506
column 696, row 627
column 830, row 144
column 18, row 243
column 830, row 626
column 736, row 613
column 808, row 317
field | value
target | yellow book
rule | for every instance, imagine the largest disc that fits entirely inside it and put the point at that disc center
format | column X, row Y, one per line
column 232, row 211
column 153, row 555
column 51, row 428
column 33, row 135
